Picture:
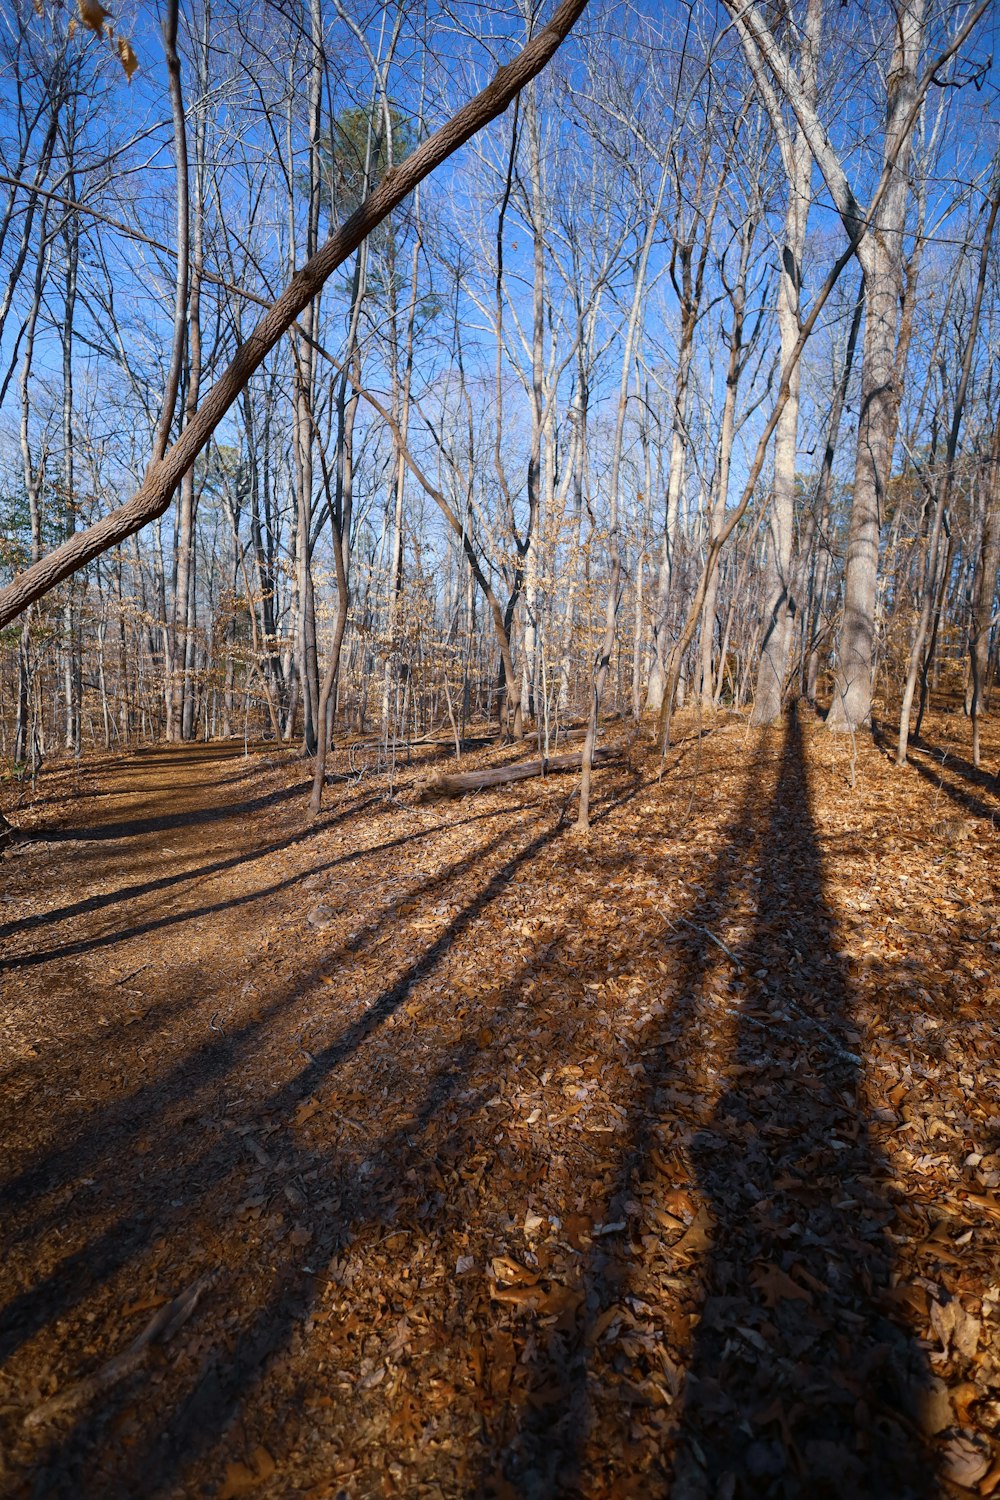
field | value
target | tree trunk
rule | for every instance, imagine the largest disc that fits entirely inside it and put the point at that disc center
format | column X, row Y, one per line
column 441, row 785
column 984, row 593
column 944, row 496
column 772, row 671
column 882, row 259
column 726, row 434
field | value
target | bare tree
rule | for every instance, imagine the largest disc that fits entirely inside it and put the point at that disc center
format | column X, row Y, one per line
column 877, row 235
column 154, row 495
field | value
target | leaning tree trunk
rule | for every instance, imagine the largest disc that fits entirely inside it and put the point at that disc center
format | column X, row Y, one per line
column 154, row 495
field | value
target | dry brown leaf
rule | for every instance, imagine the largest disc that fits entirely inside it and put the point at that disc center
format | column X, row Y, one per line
column 962, row 1398
column 966, row 1460
column 505, row 1269
column 551, row 1299
column 93, row 15
column 987, row 1203
column 126, row 56
column 305, row 1111
column 603, row 1323
column 990, row 1482
column 778, row 1286
column 240, row 1479
column 697, row 1237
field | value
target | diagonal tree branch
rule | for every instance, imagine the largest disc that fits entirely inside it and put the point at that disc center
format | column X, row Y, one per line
column 163, row 475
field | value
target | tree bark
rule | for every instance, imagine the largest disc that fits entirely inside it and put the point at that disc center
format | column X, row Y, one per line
column 983, row 594
column 772, row 670
column 944, row 495
column 876, row 234
column 476, row 781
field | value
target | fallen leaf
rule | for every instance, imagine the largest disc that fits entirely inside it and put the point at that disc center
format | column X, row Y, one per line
column 697, row 1237
column 778, row 1286
column 965, row 1463
column 505, row 1269
column 240, row 1480
column 935, row 1407
column 553, row 1299
column 145, row 1304
column 603, row 1323
column 305, row 1111
column 962, row 1397
column 664, row 1219
column 990, row 1481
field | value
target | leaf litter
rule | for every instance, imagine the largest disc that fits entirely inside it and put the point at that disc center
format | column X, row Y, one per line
column 661, row 1162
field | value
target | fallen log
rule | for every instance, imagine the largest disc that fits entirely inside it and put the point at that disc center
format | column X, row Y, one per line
column 442, row 785
column 469, row 742
column 447, row 741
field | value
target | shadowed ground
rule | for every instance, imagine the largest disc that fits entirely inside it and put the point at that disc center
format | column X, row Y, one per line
column 526, row 1166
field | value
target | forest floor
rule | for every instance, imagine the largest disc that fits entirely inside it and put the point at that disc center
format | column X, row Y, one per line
column 432, row 1150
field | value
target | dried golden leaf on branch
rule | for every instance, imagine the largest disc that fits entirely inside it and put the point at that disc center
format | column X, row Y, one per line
column 93, row 15
column 126, row 56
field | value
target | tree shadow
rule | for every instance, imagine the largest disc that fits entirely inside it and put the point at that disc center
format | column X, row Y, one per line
column 569, row 1426
column 67, row 780
column 131, row 828
column 762, row 1150
column 267, row 1299
column 118, row 935
column 941, row 760
column 796, row 1378
column 202, row 1068
column 976, row 775
column 970, row 804
column 178, row 877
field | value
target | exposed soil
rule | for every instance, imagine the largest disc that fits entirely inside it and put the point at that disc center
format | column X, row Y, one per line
column 432, row 1150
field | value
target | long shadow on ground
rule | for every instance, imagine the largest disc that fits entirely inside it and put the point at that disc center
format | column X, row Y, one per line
column 794, row 1377
column 796, row 1381
column 933, row 767
column 123, row 894
column 269, row 1301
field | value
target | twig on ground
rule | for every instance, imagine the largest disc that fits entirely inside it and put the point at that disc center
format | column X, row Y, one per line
column 713, row 939
column 792, row 1005
column 165, row 1322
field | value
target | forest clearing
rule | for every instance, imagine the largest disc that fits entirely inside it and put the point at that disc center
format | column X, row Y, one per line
column 502, row 1161
column 499, row 749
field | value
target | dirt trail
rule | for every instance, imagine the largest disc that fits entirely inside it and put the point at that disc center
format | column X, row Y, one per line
column 472, row 1138
column 137, row 948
